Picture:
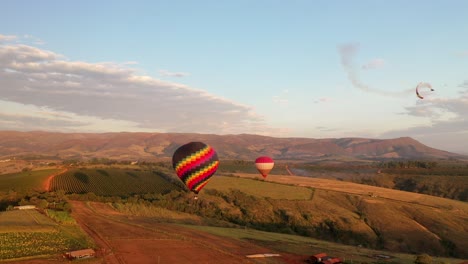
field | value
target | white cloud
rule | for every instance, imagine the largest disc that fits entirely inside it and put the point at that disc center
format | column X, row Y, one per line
column 112, row 92
column 6, row 38
column 166, row 73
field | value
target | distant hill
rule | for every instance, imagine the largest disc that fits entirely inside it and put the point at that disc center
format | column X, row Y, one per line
column 156, row 146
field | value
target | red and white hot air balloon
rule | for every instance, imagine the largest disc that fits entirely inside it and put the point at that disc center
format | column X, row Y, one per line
column 264, row 165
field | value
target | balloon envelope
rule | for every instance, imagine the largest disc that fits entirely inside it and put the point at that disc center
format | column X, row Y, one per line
column 264, row 165
column 195, row 163
column 423, row 89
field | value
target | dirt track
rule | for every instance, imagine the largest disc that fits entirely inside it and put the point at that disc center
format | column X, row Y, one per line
column 131, row 241
column 50, row 178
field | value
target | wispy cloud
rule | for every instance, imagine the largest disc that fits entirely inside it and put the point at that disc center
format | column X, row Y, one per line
column 281, row 99
column 110, row 91
column 325, row 129
column 322, row 100
column 463, row 53
column 33, row 40
column 6, row 38
column 448, row 120
column 374, row 64
column 33, row 121
column 166, row 73
column 347, row 54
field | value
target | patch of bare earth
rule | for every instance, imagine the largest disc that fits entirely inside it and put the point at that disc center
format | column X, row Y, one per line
column 49, row 179
column 121, row 240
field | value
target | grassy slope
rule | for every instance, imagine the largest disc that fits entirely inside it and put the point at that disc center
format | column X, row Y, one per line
column 310, row 246
column 22, row 181
column 260, row 187
column 395, row 220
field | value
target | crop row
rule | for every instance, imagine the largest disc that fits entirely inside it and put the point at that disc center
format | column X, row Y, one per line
column 22, row 181
column 112, row 182
column 23, row 244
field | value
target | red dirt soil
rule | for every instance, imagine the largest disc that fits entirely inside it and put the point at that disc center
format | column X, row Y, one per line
column 131, row 241
column 47, row 182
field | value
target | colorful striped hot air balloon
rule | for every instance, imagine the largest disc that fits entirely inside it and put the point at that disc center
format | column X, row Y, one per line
column 264, row 165
column 195, row 163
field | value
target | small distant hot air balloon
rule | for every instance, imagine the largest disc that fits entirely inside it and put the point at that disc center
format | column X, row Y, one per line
column 422, row 88
column 195, row 163
column 264, row 165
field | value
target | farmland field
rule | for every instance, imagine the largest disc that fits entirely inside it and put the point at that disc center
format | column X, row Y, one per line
column 233, row 166
column 113, row 182
column 130, row 238
column 24, row 219
column 23, row 181
column 27, row 233
column 308, row 246
column 259, row 187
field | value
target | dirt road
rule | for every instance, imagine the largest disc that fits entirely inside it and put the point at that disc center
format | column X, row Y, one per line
column 48, row 181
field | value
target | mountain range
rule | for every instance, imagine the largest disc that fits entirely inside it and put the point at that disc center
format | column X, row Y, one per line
column 157, row 146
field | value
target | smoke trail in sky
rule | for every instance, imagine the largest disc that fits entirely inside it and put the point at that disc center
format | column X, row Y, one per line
column 347, row 54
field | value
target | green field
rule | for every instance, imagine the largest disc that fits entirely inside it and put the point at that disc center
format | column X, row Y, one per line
column 27, row 233
column 23, row 181
column 24, row 219
column 113, row 182
column 260, row 188
column 241, row 166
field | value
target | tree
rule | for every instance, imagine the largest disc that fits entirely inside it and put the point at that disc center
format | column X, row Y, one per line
column 423, row 259
column 43, row 204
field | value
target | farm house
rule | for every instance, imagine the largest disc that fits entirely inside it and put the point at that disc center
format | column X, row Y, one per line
column 81, row 254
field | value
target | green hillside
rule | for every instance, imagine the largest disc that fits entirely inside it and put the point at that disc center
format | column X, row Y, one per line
column 260, row 188
column 23, row 181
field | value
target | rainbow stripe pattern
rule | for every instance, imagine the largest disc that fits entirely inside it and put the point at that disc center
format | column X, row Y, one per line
column 195, row 163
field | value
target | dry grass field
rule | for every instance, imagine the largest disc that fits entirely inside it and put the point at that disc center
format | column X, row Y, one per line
column 398, row 220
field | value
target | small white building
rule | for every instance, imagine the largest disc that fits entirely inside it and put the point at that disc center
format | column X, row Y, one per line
column 24, row 207
column 80, row 254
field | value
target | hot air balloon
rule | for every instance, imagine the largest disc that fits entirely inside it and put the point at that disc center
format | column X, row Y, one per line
column 195, row 163
column 421, row 89
column 264, row 165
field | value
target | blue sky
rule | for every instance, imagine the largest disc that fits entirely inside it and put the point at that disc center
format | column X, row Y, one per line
column 315, row 69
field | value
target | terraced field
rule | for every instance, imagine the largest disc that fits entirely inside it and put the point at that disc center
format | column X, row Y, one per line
column 113, row 182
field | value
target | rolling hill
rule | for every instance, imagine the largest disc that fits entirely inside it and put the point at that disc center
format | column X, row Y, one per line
column 157, row 146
